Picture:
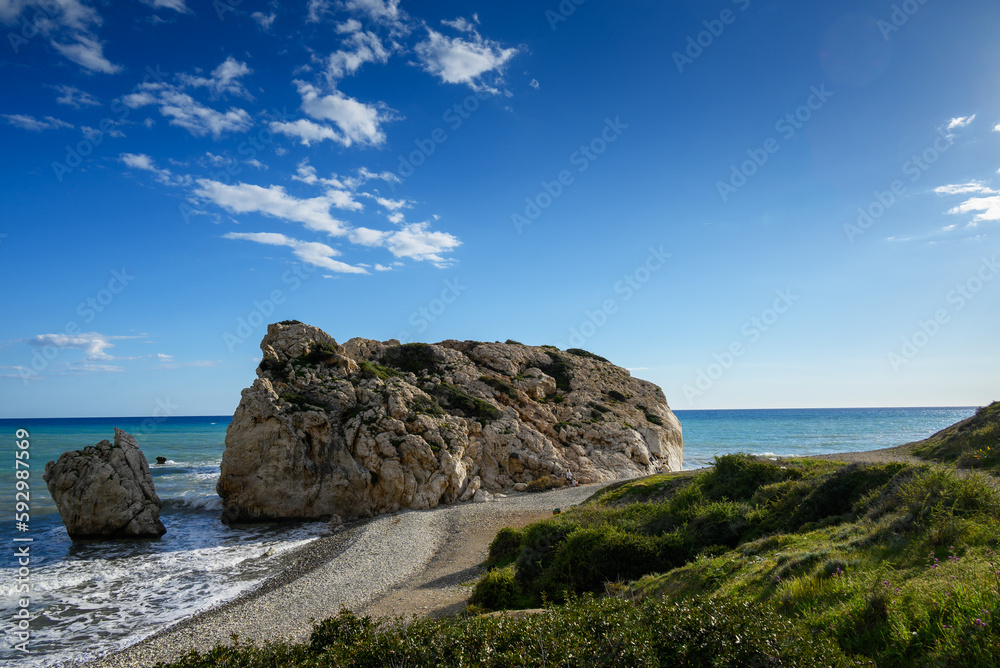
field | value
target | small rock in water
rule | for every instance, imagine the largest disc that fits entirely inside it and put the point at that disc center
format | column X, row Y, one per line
column 106, row 491
column 161, row 460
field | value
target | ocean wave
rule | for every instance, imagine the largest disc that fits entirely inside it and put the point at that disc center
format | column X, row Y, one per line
column 197, row 501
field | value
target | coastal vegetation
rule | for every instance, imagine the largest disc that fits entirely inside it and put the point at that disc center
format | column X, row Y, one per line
column 751, row 562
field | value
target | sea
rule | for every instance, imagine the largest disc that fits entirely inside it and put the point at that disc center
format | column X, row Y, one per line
column 91, row 598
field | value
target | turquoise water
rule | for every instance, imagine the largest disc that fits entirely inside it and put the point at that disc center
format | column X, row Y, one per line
column 813, row 431
column 90, row 598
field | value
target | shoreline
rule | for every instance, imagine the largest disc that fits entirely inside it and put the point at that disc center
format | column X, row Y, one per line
column 369, row 568
column 422, row 574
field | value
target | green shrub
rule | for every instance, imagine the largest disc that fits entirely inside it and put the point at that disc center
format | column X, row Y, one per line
column 561, row 369
column 505, row 546
column 497, row 590
column 546, row 483
column 412, row 358
column 584, row 353
column 617, row 396
column 370, row 370
column 500, row 386
column 456, row 398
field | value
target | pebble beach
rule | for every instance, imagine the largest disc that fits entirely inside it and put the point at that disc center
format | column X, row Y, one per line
column 355, row 569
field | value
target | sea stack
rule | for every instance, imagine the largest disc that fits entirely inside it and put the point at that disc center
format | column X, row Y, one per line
column 106, row 491
column 371, row 427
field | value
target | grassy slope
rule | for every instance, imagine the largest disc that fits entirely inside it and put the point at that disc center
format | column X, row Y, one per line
column 894, row 562
column 751, row 562
column 971, row 443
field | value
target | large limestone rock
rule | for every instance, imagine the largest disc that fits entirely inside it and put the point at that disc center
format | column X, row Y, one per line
column 106, row 491
column 370, row 427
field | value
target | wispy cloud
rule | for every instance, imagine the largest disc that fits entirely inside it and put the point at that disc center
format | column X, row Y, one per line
column 264, row 20
column 185, row 112
column 960, row 122
column 75, row 97
column 87, row 52
column 358, row 49
column 176, row 5
column 225, row 79
column 143, row 162
column 312, row 253
column 93, row 344
column 965, row 189
column 26, row 122
column 313, row 213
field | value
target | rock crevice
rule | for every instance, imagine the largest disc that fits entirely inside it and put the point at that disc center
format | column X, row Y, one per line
column 370, row 427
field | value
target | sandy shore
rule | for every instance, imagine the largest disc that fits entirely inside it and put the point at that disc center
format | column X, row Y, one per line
column 413, row 562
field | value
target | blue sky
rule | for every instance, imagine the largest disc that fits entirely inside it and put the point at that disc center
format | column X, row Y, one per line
column 750, row 203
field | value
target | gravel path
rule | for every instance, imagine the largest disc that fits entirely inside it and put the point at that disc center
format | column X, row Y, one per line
column 412, row 551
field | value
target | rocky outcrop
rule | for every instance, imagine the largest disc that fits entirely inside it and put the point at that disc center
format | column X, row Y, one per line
column 370, row 427
column 106, row 491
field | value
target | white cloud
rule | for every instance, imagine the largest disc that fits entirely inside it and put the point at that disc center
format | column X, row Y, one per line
column 89, row 53
column 91, row 343
column 377, row 9
column 462, row 61
column 358, row 122
column 988, row 206
column 69, row 25
column 265, row 20
column 961, row 121
column 417, row 242
column 313, row 213
column 145, row 163
column 307, row 131
column 362, row 47
column 965, row 189
column 75, row 97
column 316, row 9
column 183, row 111
column 534, row 84
column 348, row 26
column 26, row 122
column 996, row 128
column 393, row 204
column 312, row 253
column 396, row 218
column 463, row 24
column 364, row 236
column 176, row 5
column 225, row 78
column 382, row 267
